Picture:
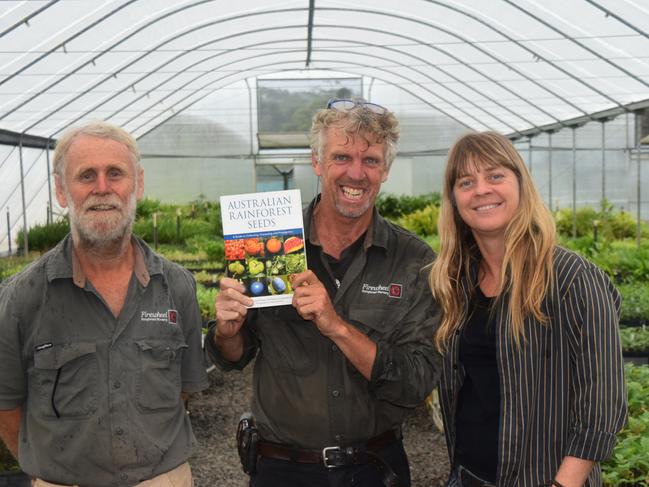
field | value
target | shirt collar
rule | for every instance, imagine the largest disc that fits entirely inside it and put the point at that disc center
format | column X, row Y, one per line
column 64, row 263
column 376, row 234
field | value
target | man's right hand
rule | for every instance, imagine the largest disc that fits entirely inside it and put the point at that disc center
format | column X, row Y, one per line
column 231, row 308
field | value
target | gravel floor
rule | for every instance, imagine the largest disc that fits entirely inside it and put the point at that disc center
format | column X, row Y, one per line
column 215, row 414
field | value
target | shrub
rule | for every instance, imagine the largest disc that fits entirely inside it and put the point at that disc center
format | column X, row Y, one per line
column 206, row 297
column 635, row 339
column 422, row 222
column 45, row 237
column 635, row 303
column 629, row 464
column 392, row 206
column 611, row 223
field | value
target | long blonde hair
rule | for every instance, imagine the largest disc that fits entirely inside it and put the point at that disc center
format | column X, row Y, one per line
column 530, row 237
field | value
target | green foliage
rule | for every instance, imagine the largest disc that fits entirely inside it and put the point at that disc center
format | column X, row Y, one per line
column 392, row 207
column 422, row 222
column 215, row 250
column 206, row 297
column 44, row 237
column 635, row 302
column 12, row 265
column 611, row 223
column 7, row 462
column 629, row 465
column 635, row 339
column 623, row 261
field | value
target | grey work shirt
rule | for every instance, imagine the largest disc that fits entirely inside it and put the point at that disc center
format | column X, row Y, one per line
column 100, row 395
column 306, row 393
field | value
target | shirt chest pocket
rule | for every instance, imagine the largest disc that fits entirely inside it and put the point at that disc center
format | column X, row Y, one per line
column 158, row 381
column 290, row 343
column 63, row 381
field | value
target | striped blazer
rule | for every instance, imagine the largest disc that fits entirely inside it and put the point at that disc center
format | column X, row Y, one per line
column 562, row 391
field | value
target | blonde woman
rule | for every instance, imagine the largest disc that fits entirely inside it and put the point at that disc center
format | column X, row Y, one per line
column 532, row 388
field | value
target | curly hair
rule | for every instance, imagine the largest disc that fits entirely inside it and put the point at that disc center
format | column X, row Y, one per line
column 358, row 120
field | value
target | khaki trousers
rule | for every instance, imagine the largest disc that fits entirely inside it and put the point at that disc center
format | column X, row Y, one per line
column 180, row 476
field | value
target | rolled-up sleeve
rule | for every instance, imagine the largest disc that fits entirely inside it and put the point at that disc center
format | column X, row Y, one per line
column 599, row 407
column 407, row 366
column 250, row 345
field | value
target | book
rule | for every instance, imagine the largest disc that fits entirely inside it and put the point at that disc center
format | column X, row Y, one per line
column 264, row 243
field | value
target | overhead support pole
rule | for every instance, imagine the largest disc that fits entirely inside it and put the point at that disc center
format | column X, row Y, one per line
column 574, row 182
column 309, row 42
column 252, row 149
column 22, row 193
column 550, row 170
column 50, row 218
column 531, row 151
column 603, row 162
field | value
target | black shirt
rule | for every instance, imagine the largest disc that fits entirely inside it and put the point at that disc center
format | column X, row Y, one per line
column 479, row 399
column 306, row 393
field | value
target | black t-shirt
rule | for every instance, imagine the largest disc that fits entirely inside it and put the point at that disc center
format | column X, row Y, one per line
column 478, row 406
column 323, row 264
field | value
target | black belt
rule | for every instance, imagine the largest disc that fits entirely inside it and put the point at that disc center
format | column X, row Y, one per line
column 339, row 456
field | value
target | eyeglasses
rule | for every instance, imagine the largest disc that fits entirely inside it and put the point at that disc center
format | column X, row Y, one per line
column 345, row 105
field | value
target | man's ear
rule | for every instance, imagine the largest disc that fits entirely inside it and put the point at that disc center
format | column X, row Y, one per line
column 140, row 183
column 315, row 164
column 60, row 193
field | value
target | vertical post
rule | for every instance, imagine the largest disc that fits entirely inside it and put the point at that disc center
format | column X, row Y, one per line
column 22, row 191
column 531, row 151
column 639, row 194
column 178, row 225
column 550, row 170
column 9, row 230
column 155, row 230
column 603, row 162
column 50, row 217
column 574, row 182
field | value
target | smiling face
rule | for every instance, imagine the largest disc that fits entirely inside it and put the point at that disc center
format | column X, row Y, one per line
column 487, row 199
column 352, row 168
column 100, row 185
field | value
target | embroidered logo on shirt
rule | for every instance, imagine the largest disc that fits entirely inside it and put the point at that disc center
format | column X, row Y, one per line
column 172, row 316
column 395, row 291
column 169, row 316
column 392, row 291
column 42, row 347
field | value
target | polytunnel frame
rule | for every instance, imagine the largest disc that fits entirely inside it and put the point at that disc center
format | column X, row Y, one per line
column 573, row 123
column 362, row 11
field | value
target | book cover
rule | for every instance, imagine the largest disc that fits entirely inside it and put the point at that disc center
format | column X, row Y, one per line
column 264, row 243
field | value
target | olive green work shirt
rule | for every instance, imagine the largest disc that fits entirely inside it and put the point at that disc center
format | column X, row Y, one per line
column 100, row 395
column 305, row 391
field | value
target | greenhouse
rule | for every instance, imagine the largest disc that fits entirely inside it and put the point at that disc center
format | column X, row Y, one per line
column 197, row 84
column 220, row 97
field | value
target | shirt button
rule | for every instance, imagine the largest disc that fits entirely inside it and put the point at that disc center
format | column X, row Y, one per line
column 123, row 477
column 117, row 384
column 455, row 367
column 119, row 431
column 335, row 393
column 339, row 438
column 334, row 347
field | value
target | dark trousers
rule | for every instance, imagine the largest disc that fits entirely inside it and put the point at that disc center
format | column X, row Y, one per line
column 281, row 473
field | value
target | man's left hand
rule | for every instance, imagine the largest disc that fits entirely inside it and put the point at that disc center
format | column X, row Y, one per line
column 312, row 302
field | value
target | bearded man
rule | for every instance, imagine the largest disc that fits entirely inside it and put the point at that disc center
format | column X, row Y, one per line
column 100, row 337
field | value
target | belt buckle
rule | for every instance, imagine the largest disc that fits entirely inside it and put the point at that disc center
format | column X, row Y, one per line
column 337, row 458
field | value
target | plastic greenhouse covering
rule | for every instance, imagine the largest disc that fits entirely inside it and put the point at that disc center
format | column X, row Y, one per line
column 525, row 68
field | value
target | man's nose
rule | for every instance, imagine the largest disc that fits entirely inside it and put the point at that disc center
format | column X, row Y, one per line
column 101, row 184
column 355, row 169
